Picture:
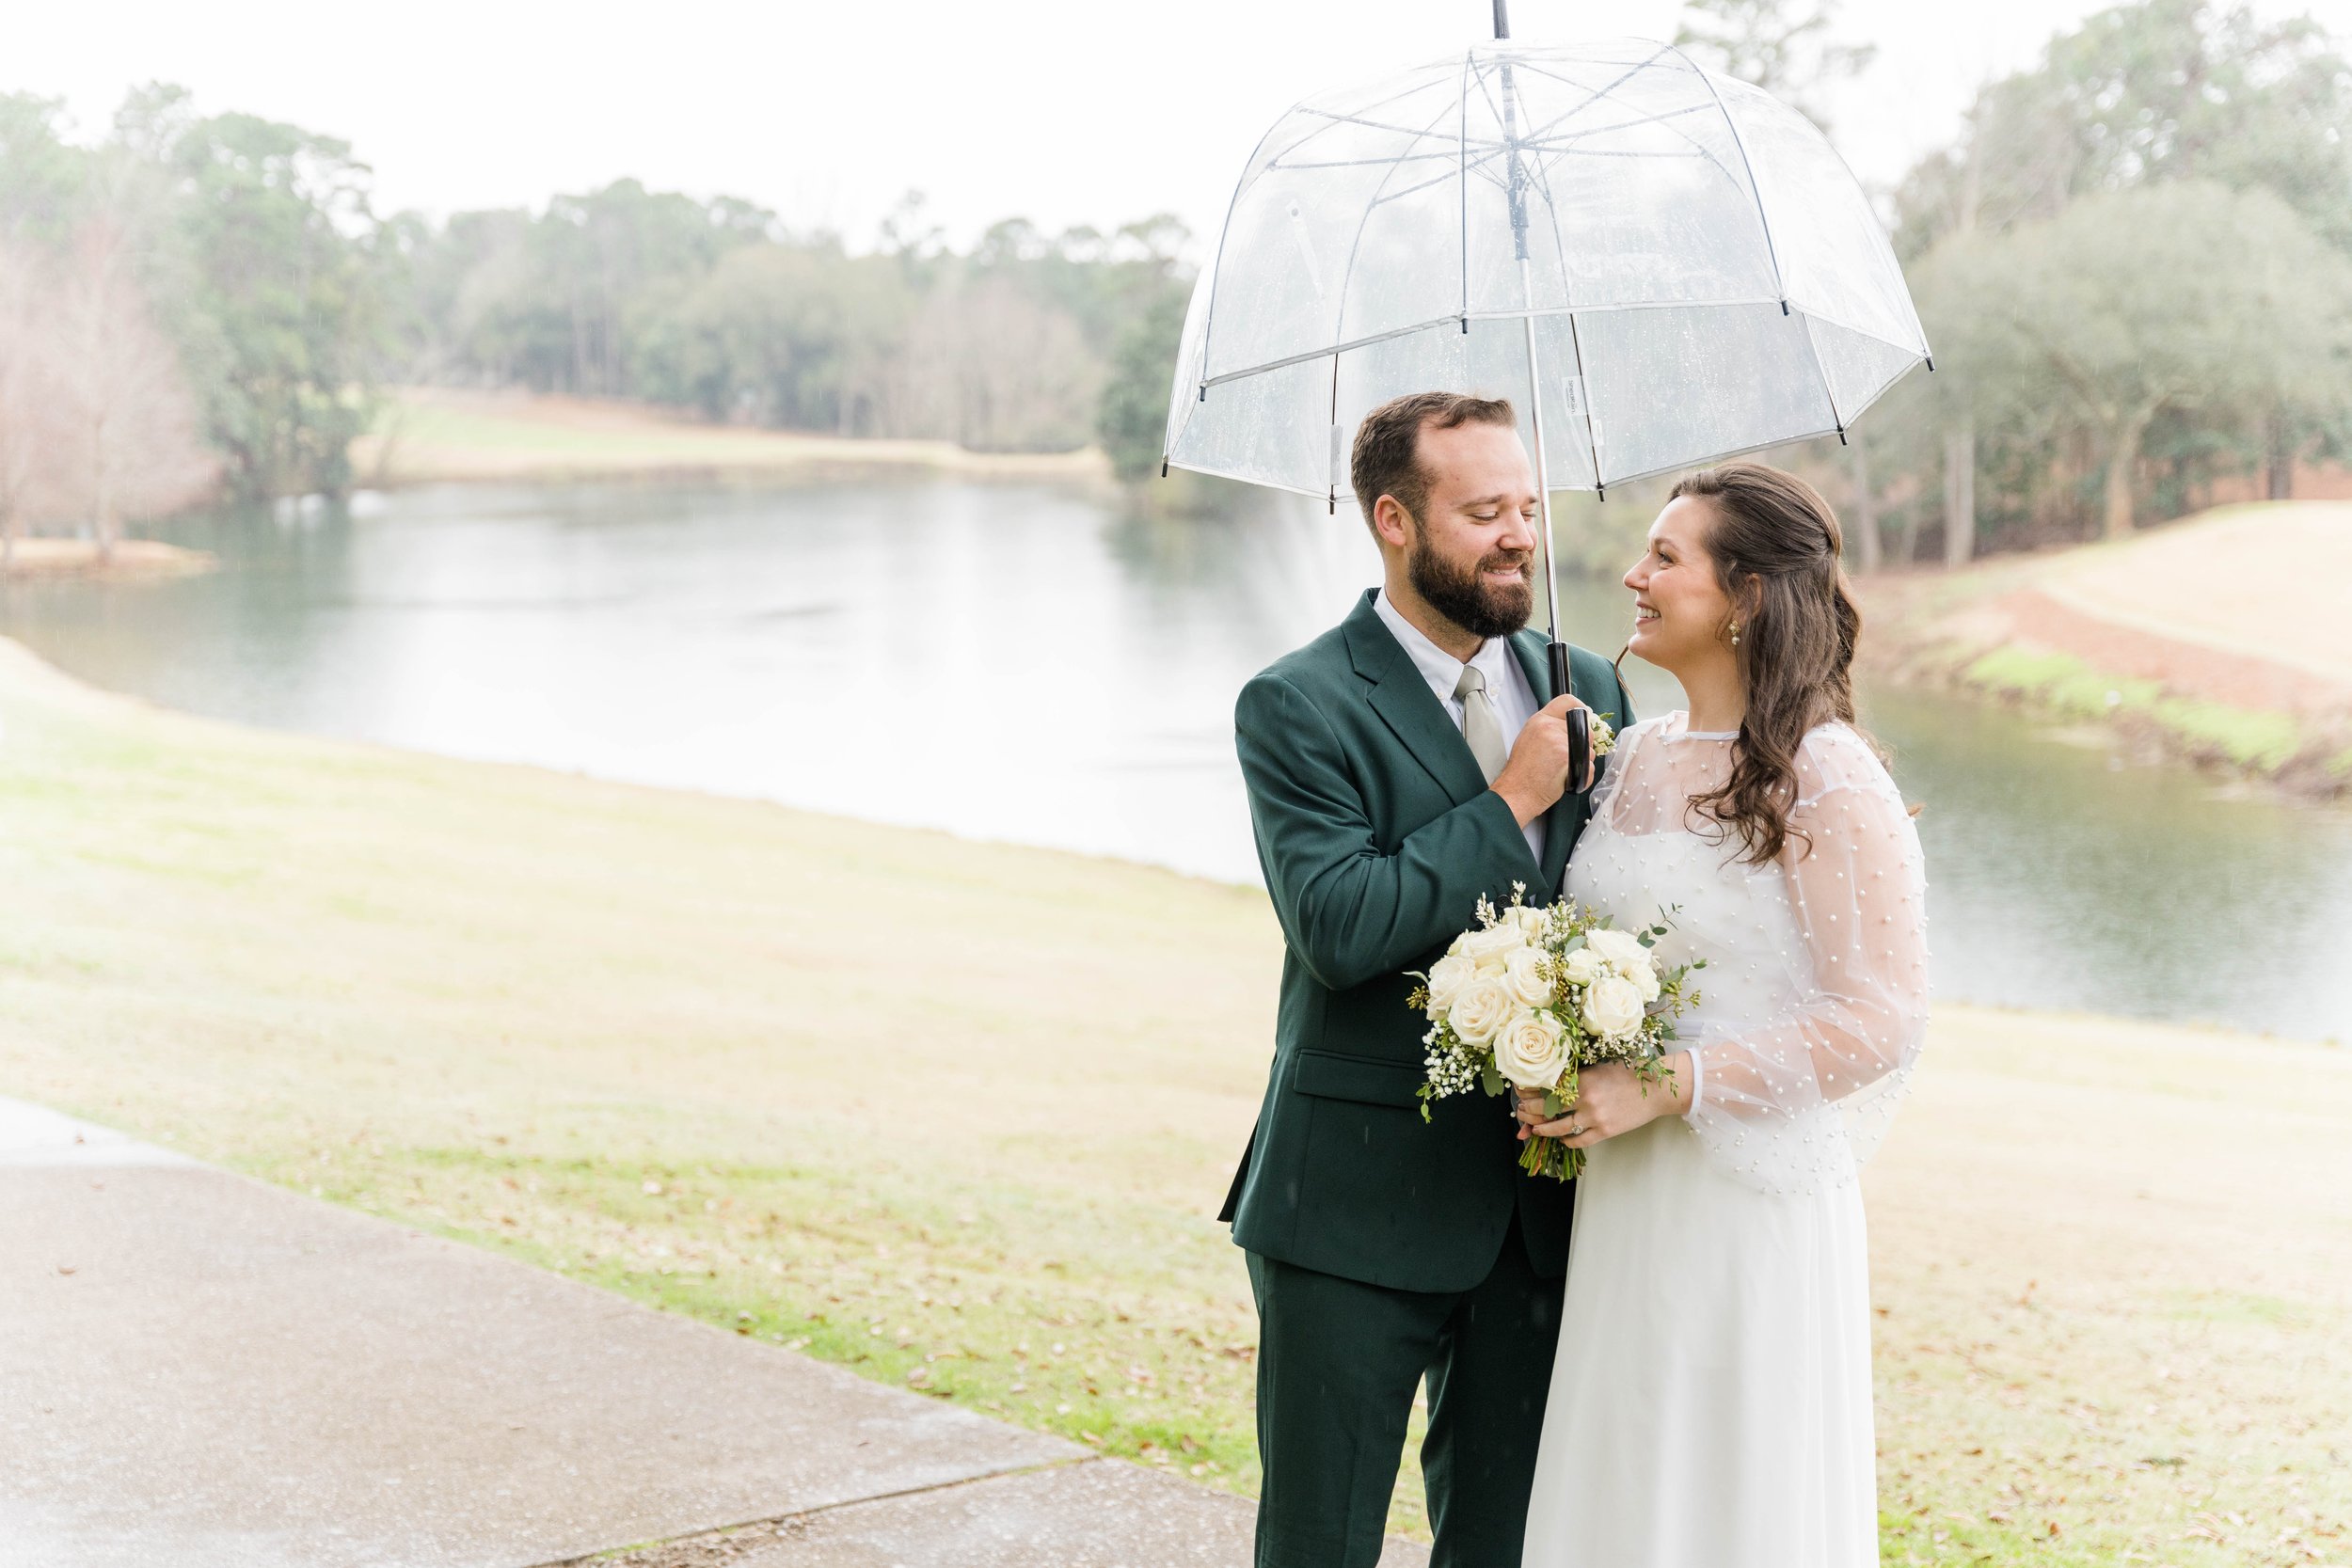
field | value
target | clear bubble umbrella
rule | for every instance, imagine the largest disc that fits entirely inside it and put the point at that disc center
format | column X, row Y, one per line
column 1659, row 265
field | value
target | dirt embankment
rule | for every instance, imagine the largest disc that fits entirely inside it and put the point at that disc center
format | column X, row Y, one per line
column 2225, row 639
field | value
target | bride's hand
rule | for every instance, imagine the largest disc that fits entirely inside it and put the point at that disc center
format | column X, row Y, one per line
column 1610, row 1101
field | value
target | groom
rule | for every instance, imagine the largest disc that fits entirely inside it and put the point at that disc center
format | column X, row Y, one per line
column 1401, row 764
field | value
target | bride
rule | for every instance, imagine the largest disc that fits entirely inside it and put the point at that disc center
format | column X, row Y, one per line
column 1711, row 1401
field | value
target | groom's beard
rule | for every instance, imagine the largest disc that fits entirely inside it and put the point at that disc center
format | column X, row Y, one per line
column 1464, row 597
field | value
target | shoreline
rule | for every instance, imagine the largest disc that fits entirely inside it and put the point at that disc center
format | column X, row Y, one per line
column 43, row 560
column 628, row 1035
column 441, row 436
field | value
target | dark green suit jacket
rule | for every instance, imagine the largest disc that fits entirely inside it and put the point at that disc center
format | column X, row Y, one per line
column 1377, row 835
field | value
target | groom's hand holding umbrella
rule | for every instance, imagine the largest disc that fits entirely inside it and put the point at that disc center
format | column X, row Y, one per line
column 1531, row 783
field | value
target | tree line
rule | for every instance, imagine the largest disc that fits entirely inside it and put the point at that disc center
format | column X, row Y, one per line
column 2134, row 267
column 2133, row 261
column 715, row 307
column 198, row 305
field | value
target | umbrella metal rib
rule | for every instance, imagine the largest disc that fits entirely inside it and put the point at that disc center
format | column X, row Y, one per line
column 1592, row 95
column 1518, row 195
column 1829, row 388
column 1456, row 318
column 1339, row 320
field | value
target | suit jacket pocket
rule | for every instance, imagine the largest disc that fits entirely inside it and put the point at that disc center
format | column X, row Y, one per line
column 1369, row 1081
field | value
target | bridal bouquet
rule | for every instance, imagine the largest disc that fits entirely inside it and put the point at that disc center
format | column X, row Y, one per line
column 1533, row 995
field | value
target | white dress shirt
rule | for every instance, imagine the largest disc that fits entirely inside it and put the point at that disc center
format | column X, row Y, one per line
column 1506, row 683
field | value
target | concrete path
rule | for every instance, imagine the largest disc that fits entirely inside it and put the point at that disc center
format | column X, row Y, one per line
column 202, row 1370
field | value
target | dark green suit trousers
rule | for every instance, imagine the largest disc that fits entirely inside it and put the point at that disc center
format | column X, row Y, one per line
column 1339, row 1362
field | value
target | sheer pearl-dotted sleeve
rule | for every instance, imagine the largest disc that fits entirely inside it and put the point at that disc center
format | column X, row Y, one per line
column 1797, row 1103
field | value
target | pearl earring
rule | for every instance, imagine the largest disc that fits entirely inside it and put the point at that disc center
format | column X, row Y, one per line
column 1735, row 634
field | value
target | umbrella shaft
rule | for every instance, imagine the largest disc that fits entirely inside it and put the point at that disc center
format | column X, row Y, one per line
column 1543, row 469
column 1502, row 19
column 1580, row 726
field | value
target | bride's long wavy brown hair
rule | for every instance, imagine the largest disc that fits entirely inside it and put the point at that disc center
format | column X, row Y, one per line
column 1778, row 554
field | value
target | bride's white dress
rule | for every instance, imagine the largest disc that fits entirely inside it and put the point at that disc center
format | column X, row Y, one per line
column 1710, row 1403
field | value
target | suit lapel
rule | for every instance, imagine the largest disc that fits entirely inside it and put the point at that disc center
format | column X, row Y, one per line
column 1412, row 712
column 1567, row 817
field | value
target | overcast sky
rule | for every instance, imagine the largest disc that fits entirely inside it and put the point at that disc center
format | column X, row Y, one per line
column 1057, row 110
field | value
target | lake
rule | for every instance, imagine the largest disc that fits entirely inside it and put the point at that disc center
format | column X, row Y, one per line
column 1034, row 665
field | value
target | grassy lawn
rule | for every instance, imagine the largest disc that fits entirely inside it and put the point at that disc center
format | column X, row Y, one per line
column 956, row 1115
column 438, row 434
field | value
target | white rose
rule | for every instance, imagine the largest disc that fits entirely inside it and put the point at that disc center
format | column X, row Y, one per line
column 1644, row 980
column 1531, row 1052
column 1447, row 978
column 1532, row 921
column 1488, row 949
column 1612, row 1007
column 1523, row 976
column 1482, row 1007
column 1583, row 967
column 1620, row 950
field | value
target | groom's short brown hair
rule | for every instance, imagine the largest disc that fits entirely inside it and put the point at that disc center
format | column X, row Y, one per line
column 1386, row 460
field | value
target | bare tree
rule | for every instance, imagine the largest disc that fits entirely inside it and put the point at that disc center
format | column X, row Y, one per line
column 135, row 423
column 1015, row 373
column 1960, row 492
column 24, row 407
column 1783, row 46
column 1863, row 530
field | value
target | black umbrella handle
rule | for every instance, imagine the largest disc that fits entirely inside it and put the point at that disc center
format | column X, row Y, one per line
column 1579, row 722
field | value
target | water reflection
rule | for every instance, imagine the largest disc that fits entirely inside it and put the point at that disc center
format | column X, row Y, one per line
column 1028, row 664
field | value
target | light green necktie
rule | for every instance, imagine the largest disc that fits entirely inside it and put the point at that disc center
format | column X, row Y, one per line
column 1481, row 727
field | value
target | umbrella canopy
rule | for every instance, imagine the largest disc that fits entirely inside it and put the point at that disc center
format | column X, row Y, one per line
column 1679, row 264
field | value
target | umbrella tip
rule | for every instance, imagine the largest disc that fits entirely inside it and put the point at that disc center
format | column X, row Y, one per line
column 1931, row 364
column 1163, row 466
